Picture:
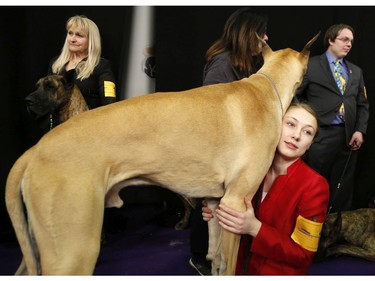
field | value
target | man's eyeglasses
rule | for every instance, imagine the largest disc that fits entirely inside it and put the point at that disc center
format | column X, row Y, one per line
column 345, row 40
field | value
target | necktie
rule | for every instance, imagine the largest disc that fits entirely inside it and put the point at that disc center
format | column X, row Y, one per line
column 339, row 77
column 341, row 83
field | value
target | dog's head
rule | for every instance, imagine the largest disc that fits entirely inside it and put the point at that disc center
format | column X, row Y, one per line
column 303, row 55
column 52, row 92
column 331, row 234
column 293, row 63
column 371, row 203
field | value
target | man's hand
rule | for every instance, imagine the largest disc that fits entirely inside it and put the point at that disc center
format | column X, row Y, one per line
column 356, row 141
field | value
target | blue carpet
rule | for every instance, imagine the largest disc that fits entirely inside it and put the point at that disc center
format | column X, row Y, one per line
column 146, row 248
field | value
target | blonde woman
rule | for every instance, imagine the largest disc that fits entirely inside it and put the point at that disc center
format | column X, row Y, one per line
column 81, row 54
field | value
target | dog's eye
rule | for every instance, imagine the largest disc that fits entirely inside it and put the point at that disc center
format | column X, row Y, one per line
column 49, row 85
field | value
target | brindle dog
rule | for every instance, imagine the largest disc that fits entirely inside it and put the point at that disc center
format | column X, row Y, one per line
column 348, row 233
column 56, row 99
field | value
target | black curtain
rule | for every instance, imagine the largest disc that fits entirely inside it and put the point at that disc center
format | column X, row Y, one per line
column 185, row 33
column 30, row 36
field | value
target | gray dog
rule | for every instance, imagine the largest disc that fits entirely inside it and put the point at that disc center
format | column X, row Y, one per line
column 348, row 233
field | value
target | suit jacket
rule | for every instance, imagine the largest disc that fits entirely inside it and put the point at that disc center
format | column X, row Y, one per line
column 273, row 252
column 321, row 91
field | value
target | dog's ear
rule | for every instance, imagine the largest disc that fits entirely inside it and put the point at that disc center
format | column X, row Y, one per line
column 338, row 223
column 69, row 78
column 306, row 49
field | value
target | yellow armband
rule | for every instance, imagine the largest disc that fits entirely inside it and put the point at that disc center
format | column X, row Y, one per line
column 307, row 233
column 109, row 89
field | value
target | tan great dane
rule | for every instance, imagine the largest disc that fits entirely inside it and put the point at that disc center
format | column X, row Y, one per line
column 56, row 99
column 215, row 141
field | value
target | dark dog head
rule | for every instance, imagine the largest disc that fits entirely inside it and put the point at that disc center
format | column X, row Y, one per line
column 371, row 204
column 52, row 92
column 331, row 234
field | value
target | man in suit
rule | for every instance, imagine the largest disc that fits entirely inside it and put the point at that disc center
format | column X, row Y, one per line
column 343, row 112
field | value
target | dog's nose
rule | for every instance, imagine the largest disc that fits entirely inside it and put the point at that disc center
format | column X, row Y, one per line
column 28, row 100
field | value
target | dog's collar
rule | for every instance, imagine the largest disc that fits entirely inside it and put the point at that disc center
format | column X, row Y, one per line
column 274, row 86
column 50, row 122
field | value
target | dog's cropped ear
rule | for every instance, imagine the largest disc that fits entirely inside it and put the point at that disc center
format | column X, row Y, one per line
column 306, row 49
column 69, row 78
column 266, row 49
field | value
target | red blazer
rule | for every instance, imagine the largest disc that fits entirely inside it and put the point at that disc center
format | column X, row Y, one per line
column 273, row 252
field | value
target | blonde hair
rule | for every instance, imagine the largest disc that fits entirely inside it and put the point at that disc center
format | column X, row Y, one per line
column 86, row 67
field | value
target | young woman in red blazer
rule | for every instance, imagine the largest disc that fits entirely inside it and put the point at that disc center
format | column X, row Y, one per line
column 281, row 226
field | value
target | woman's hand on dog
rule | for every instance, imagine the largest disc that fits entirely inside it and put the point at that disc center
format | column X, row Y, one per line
column 234, row 221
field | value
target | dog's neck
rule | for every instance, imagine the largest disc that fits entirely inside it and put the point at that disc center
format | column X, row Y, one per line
column 274, row 87
column 74, row 105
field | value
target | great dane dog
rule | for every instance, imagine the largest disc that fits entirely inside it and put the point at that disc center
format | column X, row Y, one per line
column 348, row 233
column 214, row 141
column 56, row 97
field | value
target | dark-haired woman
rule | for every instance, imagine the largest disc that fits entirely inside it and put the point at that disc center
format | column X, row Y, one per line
column 234, row 56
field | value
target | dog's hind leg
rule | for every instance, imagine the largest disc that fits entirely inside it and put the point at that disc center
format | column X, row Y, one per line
column 73, row 250
column 67, row 217
column 189, row 204
column 15, row 207
column 22, row 270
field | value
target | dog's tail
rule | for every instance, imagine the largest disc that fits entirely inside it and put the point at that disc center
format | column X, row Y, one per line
column 14, row 204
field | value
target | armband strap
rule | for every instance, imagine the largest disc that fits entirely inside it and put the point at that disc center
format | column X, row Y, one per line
column 109, row 89
column 307, row 233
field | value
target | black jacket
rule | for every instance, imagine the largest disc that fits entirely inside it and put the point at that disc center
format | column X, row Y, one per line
column 92, row 88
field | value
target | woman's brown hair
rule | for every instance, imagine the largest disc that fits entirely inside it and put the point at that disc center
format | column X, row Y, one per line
column 239, row 38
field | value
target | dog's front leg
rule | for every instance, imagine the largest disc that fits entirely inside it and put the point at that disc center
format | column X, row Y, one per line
column 234, row 198
column 230, row 243
column 214, row 238
column 223, row 245
column 350, row 250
